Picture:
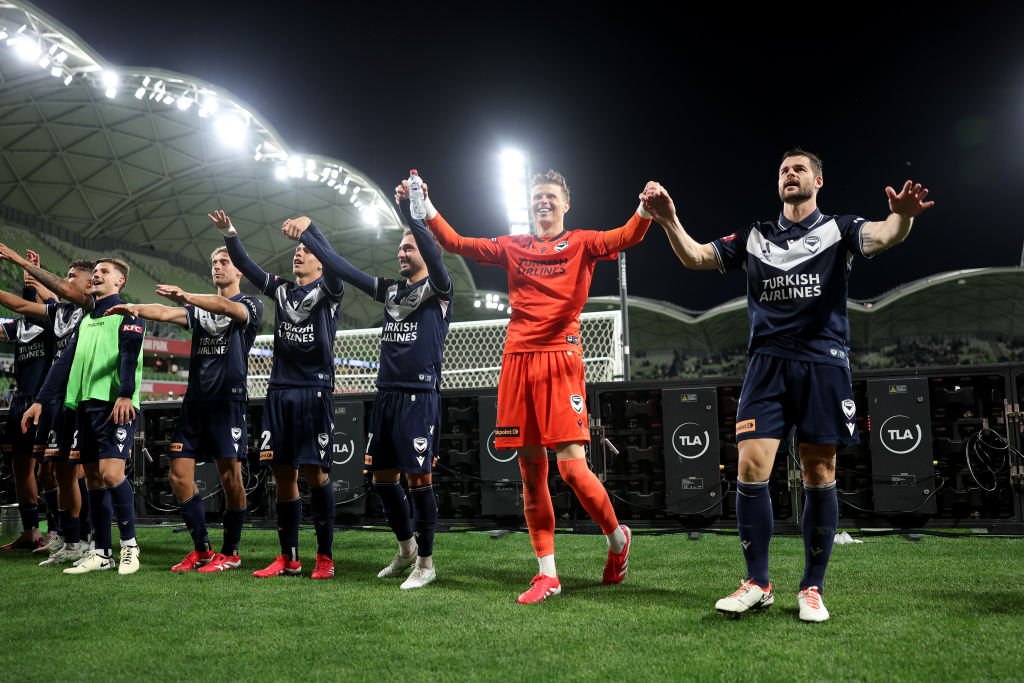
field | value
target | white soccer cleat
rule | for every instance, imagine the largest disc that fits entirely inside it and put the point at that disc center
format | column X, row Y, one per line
column 68, row 553
column 91, row 562
column 748, row 596
column 419, row 578
column 812, row 607
column 129, row 560
column 53, row 544
column 398, row 565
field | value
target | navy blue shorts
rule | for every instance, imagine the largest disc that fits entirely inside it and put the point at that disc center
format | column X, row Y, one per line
column 404, row 431
column 15, row 442
column 55, row 431
column 96, row 437
column 210, row 430
column 779, row 393
column 298, row 428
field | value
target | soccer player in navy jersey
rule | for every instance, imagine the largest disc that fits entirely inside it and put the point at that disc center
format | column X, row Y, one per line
column 799, row 373
column 101, row 368
column 406, row 422
column 56, row 424
column 33, row 352
column 298, row 417
column 212, row 423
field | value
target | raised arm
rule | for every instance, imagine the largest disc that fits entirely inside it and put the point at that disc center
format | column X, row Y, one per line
column 478, row 248
column 58, row 285
column 437, row 273
column 22, row 306
column 157, row 312
column 213, row 303
column 42, row 294
column 693, row 254
column 303, row 230
column 252, row 272
column 904, row 206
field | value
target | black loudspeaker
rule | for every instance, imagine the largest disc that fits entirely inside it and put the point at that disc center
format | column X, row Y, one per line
column 691, row 451
column 501, row 491
column 347, row 470
column 901, row 446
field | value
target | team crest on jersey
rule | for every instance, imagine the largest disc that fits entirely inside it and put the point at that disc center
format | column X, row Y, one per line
column 322, row 439
column 849, row 408
column 413, row 298
column 812, row 243
column 576, row 401
column 420, row 444
column 562, row 245
column 121, row 434
column 236, row 433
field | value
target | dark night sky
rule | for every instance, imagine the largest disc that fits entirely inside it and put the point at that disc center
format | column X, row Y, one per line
column 705, row 104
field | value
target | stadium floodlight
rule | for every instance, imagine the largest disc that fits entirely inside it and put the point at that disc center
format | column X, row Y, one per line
column 231, row 130
column 110, row 79
column 476, row 303
column 140, row 93
column 44, row 62
column 184, row 103
column 111, row 93
column 295, row 167
column 60, row 57
column 281, row 172
column 68, row 78
column 26, row 48
column 370, row 217
column 56, row 72
column 514, row 180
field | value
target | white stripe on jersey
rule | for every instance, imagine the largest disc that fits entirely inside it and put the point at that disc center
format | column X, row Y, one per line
column 801, row 250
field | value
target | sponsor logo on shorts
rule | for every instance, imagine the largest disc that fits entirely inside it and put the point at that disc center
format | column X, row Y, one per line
column 420, row 444
column 74, row 455
column 38, row 448
column 500, row 454
column 508, row 432
column 849, row 408
column 852, row 427
column 420, row 459
column 837, row 353
column 52, row 453
column 322, row 439
column 746, row 426
column 236, row 433
column 121, row 434
column 572, row 339
column 51, row 438
column 177, row 447
column 266, row 456
column 576, row 401
column 368, row 460
column 562, row 245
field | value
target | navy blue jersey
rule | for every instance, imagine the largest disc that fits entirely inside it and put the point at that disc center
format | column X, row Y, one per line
column 219, row 364
column 416, row 318
column 796, row 284
column 33, row 351
column 64, row 321
column 307, row 320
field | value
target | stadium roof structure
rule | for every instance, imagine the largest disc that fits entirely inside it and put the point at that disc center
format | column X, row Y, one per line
column 983, row 302
column 132, row 157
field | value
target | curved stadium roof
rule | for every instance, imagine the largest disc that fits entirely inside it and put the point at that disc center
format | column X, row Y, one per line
column 136, row 157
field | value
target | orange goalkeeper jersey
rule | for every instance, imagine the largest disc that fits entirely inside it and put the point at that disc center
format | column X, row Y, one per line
column 548, row 279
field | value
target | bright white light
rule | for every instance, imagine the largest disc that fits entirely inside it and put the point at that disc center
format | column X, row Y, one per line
column 312, row 177
column 371, row 218
column 3, row 34
column 501, row 307
column 111, row 93
column 514, row 184
column 203, row 113
column 330, row 182
column 61, row 57
column 56, row 72
column 334, row 173
column 281, row 172
column 26, row 48
column 295, row 167
column 184, row 103
column 145, row 81
column 110, row 79
column 210, row 103
column 231, row 130
column 169, row 100
column 44, row 62
column 476, row 304
column 310, row 166
column 491, row 305
column 342, row 189
column 67, row 79
column 140, row 93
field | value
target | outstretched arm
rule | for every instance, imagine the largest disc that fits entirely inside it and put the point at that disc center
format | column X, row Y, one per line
column 692, row 253
column 157, row 312
column 22, row 306
column 214, row 303
column 478, row 248
column 42, row 294
column 905, row 206
column 252, row 272
column 437, row 273
column 49, row 280
column 305, row 231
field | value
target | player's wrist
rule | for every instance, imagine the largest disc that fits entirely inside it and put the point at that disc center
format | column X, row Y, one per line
column 642, row 212
column 431, row 211
column 228, row 231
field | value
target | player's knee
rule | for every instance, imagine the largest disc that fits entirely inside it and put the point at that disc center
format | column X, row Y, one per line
column 386, row 476
column 419, row 480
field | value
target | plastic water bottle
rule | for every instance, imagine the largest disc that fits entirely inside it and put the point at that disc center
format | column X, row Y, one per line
column 417, row 205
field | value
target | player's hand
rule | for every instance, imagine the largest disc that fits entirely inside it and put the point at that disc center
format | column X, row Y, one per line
column 124, row 411
column 402, row 191
column 31, row 415
column 657, row 202
column 32, row 257
column 8, row 254
column 910, row 201
column 294, row 227
column 223, row 223
column 131, row 310
column 172, row 292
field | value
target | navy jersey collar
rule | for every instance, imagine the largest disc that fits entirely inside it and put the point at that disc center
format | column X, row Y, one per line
column 807, row 223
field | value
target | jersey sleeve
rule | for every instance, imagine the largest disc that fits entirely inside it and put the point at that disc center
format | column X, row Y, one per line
column 252, row 325
column 190, row 313
column 10, row 330
column 731, row 250
column 482, row 249
column 850, row 228
column 629, row 234
column 380, row 292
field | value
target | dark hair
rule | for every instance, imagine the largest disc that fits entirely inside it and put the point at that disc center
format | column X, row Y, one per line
column 119, row 264
column 83, row 264
column 816, row 164
column 552, row 177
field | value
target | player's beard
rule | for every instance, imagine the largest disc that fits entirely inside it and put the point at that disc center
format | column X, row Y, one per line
column 802, row 195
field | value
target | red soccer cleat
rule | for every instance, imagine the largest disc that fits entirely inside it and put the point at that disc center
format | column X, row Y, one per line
column 221, row 563
column 193, row 560
column 280, row 566
column 542, row 587
column 22, row 543
column 324, row 567
column 618, row 563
